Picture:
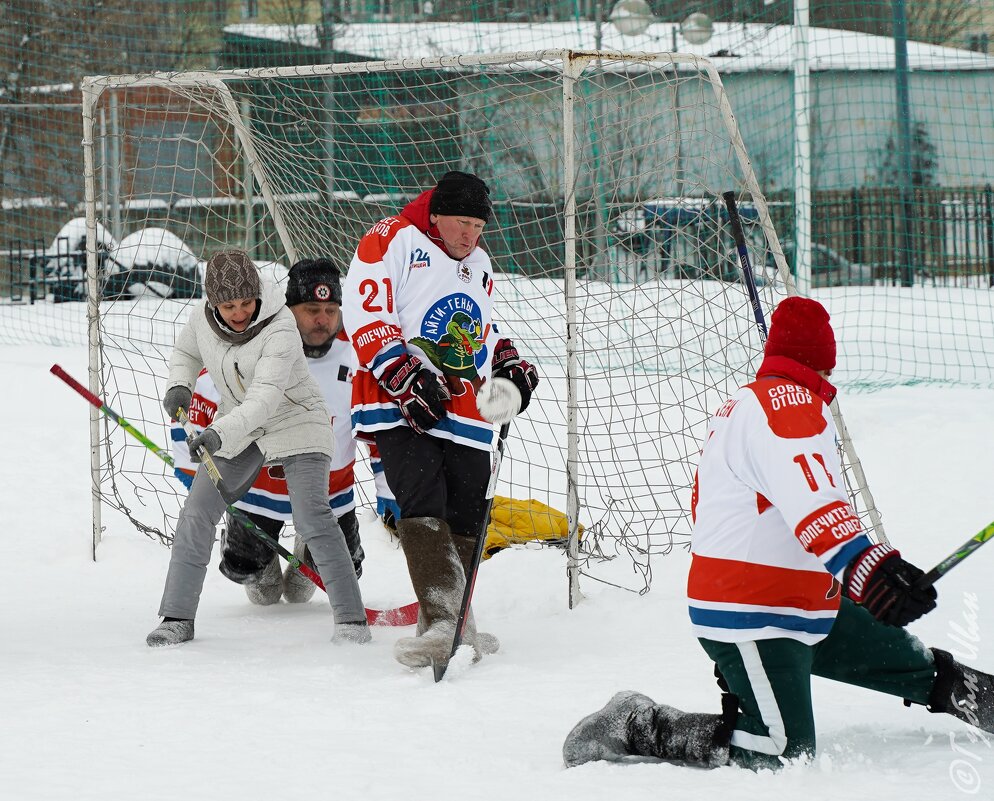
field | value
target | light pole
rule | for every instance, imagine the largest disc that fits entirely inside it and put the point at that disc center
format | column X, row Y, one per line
column 630, row 18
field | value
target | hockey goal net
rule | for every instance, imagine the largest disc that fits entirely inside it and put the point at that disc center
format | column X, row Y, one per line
column 616, row 267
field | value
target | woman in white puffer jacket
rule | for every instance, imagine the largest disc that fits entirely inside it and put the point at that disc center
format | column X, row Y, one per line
column 271, row 410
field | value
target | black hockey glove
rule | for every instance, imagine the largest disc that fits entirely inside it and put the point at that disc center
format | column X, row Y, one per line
column 879, row 580
column 507, row 363
column 418, row 392
column 208, row 439
column 177, row 398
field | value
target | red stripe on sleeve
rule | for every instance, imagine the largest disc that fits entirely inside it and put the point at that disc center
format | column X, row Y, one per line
column 828, row 526
column 371, row 339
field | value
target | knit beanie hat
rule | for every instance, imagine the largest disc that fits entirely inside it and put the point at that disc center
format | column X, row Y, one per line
column 314, row 280
column 460, row 193
column 800, row 330
column 231, row 275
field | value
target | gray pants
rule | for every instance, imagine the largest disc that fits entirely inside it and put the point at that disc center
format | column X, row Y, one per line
column 307, row 481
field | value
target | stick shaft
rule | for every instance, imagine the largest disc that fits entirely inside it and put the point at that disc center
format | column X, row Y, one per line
column 57, row 371
column 986, row 534
column 467, row 596
column 206, row 458
column 747, row 274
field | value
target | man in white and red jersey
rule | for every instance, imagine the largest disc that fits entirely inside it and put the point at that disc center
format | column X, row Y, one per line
column 784, row 582
column 417, row 305
column 314, row 295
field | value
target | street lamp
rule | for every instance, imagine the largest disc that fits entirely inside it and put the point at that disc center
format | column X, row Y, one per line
column 697, row 28
column 631, row 17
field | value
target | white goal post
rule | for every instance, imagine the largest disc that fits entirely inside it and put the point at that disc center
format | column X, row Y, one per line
column 616, row 269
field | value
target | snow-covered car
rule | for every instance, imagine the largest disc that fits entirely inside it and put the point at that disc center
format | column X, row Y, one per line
column 684, row 237
column 61, row 268
column 829, row 268
column 156, row 261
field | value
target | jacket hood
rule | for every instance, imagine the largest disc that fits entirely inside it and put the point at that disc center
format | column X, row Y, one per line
column 799, row 373
column 418, row 213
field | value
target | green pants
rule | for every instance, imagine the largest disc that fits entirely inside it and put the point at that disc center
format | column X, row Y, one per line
column 772, row 679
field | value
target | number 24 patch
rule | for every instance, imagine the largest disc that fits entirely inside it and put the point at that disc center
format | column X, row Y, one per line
column 419, row 259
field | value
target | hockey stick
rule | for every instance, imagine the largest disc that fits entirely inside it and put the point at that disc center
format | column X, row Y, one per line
column 845, row 441
column 740, row 247
column 209, row 464
column 402, row 616
column 467, row 596
column 984, row 535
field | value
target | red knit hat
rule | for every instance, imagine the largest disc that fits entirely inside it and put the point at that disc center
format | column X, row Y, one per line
column 800, row 330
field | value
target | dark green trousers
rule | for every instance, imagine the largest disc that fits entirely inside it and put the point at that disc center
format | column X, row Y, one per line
column 772, row 679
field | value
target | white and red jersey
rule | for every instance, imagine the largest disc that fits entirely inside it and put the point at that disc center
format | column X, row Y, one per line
column 268, row 496
column 404, row 293
column 773, row 527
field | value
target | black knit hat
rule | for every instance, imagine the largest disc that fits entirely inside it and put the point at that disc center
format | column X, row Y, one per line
column 314, row 280
column 460, row 193
column 231, row 275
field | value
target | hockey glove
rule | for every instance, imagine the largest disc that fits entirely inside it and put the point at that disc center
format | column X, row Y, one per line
column 176, row 398
column 418, row 392
column 208, row 439
column 508, row 364
column 879, row 580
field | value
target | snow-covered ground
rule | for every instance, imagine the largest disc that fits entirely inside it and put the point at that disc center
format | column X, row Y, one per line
column 262, row 706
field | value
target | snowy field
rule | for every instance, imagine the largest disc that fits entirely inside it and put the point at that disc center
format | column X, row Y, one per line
column 262, row 706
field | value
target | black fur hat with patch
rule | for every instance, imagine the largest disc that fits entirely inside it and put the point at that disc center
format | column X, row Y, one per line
column 314, row 281
column 461, row 194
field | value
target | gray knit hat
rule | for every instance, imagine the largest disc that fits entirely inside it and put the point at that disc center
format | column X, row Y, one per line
column 231, row 275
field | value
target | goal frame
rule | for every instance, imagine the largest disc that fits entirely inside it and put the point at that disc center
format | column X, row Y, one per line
column 574, row 63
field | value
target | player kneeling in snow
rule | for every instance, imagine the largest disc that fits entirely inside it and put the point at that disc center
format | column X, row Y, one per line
column 270, row 410
column 417, row 305
column 784, row 584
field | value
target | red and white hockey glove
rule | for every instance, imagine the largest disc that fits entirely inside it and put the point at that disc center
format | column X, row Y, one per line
column 507, row 363
column 879, row 580
column 418, row 392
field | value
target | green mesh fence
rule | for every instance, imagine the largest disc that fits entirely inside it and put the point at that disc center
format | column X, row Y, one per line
column 887, row 185
column 868, row 126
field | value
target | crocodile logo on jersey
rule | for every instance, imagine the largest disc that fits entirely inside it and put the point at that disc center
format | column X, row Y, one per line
column 464, row 272
column 452, row 338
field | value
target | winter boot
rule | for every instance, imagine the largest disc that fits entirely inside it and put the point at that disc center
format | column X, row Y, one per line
column 962, row 692
column 483, row 642
column 297, row 588
column 170, row 632
column 350, row 528
column 438, row 580
column 351, row 633
column 265, row 588
column 631, row 728
column 244, row 555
